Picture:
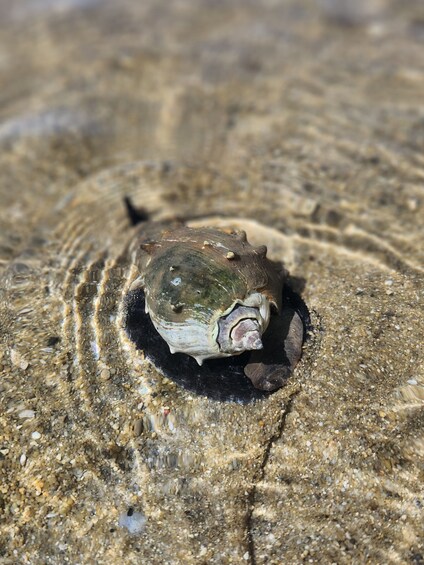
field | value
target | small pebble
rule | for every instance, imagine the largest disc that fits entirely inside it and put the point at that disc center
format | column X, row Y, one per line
column 412, row 382
column 35, row 435
column 18, row 360
column 138, row 427
column 412, row 204
column 133, row 521
column 105, row 374
column 22, row 459
column 26, row 414
column 24, row 311
column 52, row 340
column 230, row 255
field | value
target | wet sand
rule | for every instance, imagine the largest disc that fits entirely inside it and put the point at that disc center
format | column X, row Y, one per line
column 302, row 122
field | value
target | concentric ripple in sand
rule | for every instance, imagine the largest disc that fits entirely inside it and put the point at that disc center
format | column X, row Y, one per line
column 305, row 127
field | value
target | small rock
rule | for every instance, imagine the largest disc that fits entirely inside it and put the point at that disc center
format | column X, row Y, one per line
column 22, row 459
column 52, row 340
column 412, row 204
column 18, row 360
column 35, row 435
column 105, row 374
column 138, row 427
column 28, row 414
column 134, row 522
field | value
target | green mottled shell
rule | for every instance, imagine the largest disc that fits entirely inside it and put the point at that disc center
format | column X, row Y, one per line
column 194, row 276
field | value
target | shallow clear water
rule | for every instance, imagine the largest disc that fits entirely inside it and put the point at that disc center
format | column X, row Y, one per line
column 307, row 128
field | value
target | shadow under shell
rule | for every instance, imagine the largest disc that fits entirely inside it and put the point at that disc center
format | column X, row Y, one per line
column 218, row 379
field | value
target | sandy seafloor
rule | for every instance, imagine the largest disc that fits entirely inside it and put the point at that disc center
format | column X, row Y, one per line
column 307, row 119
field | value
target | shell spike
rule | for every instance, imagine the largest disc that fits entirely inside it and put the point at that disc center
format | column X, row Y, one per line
column 261, row 250
column 240, row 235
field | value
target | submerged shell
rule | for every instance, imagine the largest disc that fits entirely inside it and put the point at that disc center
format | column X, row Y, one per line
column 209, row 293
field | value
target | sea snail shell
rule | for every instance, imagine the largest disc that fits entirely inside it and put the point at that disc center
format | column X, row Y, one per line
column 209, row 293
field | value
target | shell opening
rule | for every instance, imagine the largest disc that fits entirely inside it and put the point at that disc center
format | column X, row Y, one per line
column 241, row 330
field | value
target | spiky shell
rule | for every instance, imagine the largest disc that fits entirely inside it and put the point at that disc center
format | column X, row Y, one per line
column 200, row 283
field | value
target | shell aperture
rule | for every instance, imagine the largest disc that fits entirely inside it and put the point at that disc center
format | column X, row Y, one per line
column 242, row 329
column 209, row 293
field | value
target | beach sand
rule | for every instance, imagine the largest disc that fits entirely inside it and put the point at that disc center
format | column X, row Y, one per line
column 302, row 122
